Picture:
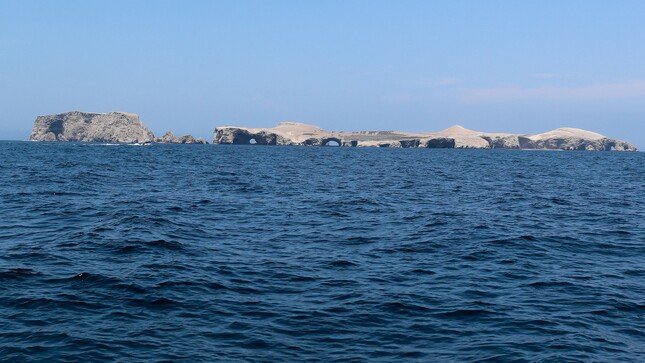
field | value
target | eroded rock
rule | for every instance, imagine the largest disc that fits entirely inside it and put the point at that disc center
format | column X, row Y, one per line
column 117, row 127
column 292, row 133
column 170, row 138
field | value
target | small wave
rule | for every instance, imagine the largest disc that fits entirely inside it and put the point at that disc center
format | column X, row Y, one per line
column 340, row 283
column 422, row 271
column 191, row 285
column 398, row 307
column 635, row 272
column 166, row 244
column 18, row 273
column 544, row 284
column 255, row 344
column 628, row 306
column 226, row 336
column 360, row 240
column 342, row 264
column 88, row 279
column 435, row 224
column 154, row 303
column 216, row 286
column 466, row 313
column 560, row 201
column 178, row 284
column 67, row 302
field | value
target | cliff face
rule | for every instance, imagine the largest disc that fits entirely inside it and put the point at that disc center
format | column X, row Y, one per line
column 117, row 127
column 291, row 133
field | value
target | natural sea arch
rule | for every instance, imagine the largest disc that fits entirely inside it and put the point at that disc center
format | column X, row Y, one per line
column 331, row 142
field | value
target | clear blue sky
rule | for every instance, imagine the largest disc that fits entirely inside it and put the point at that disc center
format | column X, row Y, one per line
column 520, row 66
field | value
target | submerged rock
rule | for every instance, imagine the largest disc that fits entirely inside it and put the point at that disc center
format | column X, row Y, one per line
column 292, row 133
column 118, row 127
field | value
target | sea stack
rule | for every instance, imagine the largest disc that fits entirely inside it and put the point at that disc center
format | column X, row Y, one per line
column 298, row 134
column 118, row 127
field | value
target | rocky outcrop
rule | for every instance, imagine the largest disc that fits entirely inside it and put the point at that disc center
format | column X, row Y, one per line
column 167, row 138
column 502, row 141
column 170, row 138
column 292, row 133
column 113, row 127
column 567, row 138
column 189, row 139
column 117, row 127
column 439, row 143
column 244, row 136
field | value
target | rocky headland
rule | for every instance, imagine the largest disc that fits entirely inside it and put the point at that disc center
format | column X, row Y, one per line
column 457, row 137
column 112, row 127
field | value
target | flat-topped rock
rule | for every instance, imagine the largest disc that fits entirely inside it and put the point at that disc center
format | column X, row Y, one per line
column 118, row 127
column 298, row 134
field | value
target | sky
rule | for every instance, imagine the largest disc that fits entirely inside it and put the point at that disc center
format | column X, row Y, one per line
column 189, row 66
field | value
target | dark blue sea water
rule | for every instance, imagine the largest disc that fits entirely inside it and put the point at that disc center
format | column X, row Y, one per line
column 252, row 253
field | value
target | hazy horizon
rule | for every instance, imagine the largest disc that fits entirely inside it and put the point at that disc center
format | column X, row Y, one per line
column 521, row 67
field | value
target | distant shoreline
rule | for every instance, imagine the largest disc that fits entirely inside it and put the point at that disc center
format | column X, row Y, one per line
column 126, row 128
column 91, row 143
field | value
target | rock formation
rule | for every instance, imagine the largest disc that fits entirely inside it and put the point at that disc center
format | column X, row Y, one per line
column 121, row 127
column 293, row 133
column 117, row 127
column 170, row 138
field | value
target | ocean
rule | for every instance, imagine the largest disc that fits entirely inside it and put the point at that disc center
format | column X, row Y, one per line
column 257, row 253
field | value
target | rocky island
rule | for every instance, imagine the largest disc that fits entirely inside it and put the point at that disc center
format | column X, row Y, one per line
column 123, row 127
column 113, row 127
column 298, row 134
column 91, row 127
